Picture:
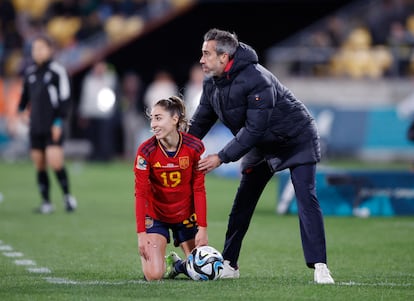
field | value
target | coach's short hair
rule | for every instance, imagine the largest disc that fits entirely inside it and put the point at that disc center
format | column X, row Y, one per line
column 227, row 42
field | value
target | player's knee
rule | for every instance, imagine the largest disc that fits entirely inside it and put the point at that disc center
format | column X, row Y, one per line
column 153, row 275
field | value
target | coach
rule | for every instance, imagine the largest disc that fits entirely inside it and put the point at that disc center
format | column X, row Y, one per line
column 272, row 131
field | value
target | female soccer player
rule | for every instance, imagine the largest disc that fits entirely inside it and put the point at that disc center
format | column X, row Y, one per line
column 46, row 94
column 169, row 191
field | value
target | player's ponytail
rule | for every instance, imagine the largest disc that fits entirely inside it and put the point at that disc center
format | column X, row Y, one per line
column 175, row 105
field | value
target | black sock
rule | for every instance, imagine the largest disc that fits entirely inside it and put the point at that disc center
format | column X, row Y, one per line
column 43, row 185
column 180, row 267
column 63, row 180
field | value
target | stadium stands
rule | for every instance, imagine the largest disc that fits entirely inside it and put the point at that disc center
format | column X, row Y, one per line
column 82, row 28
column 356, row 42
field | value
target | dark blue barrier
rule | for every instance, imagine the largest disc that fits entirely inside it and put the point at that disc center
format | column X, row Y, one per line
column 355, row 192
column 369, row 132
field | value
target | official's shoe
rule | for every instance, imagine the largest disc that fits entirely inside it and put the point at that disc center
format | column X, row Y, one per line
column 322, row 275
column 170, row 261
column 45, row 208
column 70, row 203
column 229, row 272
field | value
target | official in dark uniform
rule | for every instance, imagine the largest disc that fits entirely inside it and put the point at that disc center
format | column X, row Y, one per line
column 46, row 95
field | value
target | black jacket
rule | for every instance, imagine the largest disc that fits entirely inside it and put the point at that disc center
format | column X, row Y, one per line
column 46, row 89
column 260, row 112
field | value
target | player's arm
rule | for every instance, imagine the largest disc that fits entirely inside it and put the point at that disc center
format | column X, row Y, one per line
column 24, row 98
column 22, row 109
column 63, row 88
column 200, row 204
column 63, row 94
column 141, row 172
column 142, row 187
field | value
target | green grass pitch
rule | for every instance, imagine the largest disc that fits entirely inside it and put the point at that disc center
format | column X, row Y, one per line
column 92, row 253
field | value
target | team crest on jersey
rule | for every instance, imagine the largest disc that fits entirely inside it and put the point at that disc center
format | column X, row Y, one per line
column 149, row 222
column 184, row 162
column 141, row 163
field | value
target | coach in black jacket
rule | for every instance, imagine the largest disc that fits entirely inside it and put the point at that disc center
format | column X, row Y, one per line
column 272, row 131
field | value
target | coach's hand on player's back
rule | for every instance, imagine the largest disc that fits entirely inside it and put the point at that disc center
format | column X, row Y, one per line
column 209, row 163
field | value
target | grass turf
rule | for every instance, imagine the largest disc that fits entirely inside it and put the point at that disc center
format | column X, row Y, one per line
column 92, row 253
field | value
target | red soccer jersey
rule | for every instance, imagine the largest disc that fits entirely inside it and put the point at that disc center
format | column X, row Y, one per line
column 169, row 189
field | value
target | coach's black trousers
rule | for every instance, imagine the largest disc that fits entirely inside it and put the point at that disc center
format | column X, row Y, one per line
column 252, row 184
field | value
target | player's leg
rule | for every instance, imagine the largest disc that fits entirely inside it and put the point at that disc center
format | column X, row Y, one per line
column 184, row 236
column 37, row 154
column 154, row 267
column 255, row 175
column 311, row 220
column 55, row 159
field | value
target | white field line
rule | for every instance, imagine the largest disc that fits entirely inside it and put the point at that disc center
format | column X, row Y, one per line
column 32, row 267
column 388, row 284
column 39, row 270
column 6, row 248
column 55, row 280
column 13, row 254
column 7, row 251
column 24, row 262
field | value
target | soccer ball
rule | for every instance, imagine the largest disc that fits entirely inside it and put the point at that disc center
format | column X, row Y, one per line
column 204, row 263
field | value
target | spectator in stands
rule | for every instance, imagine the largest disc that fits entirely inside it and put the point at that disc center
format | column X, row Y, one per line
column 272, row 131
column 134, row 123
column 336, row 30
column 7, row 15
column 10, row 39
column 193, row 90
column 91, row 26
column 98, row 109
column 63, row 8
column 163, row 86
column 400, row 46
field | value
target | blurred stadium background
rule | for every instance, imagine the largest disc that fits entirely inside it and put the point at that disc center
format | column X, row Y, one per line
column 350, row 62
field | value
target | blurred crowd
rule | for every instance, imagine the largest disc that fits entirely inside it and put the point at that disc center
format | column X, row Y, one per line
column 111, row 114
column 369, row 39
column 77, row 26
column 110, row 110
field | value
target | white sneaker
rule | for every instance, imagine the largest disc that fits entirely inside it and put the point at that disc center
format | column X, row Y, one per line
column 45, row 208
column 70, row 203
column 322, row 275
column 228, row 271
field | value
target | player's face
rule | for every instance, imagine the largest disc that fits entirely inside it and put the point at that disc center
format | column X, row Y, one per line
column 213, row 64
column 162, row 123
column 41, row 52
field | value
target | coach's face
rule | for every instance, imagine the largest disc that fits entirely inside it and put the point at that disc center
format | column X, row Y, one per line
column 213, row 64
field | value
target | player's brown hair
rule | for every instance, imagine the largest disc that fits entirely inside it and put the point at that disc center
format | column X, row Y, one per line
column 175, row 105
